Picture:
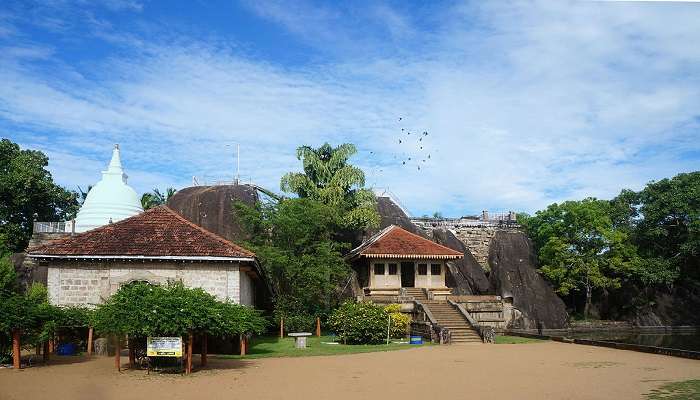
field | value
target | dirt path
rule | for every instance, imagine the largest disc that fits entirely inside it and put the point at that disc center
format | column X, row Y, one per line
column 525, row 371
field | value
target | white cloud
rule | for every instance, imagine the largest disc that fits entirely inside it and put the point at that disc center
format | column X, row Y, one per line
column 525, row 104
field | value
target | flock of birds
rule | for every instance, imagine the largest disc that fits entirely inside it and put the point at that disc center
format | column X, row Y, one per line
column 415, row 149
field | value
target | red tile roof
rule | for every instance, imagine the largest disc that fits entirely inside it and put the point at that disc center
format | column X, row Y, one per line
column 159, row 233
column 396, row 242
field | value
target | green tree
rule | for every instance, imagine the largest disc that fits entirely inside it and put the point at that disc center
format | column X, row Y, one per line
column 27, row 192
column 668, row 228
column 580, row 250
column 140, row 310
column 156, row 198
column 330, row 179
column 293, row 239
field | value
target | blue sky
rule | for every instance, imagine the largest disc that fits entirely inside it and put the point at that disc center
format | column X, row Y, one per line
column 524, row 103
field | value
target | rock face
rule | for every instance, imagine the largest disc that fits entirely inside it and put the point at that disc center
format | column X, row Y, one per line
column 465, row 276
column 211, row 207
column 392, row 214
column 513, row 276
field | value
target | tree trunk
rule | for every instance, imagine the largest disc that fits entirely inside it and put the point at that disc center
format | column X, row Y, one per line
column 45, row 352
column 117, row 353
column 16, row 350
column 318, row 327
column 203, row 352
column 281, row 328
column 587, row 307
column 89, row 342
column 190, row 340
column 132, row 354
column 243, row 344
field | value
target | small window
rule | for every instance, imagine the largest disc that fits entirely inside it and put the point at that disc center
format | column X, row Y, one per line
column 435, row 269
column 422, row 269
column 392, row 269
column 379, row 269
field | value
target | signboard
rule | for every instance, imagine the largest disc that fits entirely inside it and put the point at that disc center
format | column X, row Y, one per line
column 164, row 347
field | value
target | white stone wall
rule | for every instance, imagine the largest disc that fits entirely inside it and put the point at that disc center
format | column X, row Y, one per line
column 247, row 294
column 90, row 283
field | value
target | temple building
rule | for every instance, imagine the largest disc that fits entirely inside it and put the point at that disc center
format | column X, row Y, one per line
column 110, row 200
column 395, row 258
column 155, row 246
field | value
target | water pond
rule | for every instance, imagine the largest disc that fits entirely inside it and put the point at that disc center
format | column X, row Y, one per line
column 675, row 340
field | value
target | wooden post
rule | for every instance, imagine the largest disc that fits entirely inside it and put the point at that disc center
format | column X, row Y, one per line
column 281, row 328
column 243, row 344
column 190, row 340
column 16, row 350
column 117, row 353
column 203, row 353
column 89, row 342
column 318, row 326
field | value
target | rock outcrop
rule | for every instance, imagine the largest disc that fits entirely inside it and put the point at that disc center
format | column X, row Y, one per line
column 514, row 277
column 211, row 207
column 465, row 276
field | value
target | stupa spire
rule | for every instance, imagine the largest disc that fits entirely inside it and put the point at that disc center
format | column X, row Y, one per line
column 110, row 200
column 115, row 165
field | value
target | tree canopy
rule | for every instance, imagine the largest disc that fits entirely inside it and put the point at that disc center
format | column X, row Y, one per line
column 330, row 179
column 27, row 191
column 156, row 198
column 140, row 309
column 640, row 239
column 293, row 239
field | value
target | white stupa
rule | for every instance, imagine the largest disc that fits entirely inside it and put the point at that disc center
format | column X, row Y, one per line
column 111, row 199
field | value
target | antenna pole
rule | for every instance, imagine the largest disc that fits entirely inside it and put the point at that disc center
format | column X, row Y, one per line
column 238, row 162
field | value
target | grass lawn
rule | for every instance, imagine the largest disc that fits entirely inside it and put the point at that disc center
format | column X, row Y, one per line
column 275, row 347
column 685, row 390
column 516, row 340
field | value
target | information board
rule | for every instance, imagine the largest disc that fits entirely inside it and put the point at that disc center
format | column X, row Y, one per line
column 164, row 347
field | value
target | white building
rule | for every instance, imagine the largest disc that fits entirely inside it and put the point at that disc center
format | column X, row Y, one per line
column 156, row 246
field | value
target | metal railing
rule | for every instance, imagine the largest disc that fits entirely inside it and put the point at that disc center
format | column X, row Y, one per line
column 54, row 227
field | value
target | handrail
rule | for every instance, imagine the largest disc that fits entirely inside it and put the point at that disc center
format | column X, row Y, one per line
column 474, row 323
column 427, row 312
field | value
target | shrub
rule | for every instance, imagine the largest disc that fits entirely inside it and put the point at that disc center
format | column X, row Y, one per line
column 399, row 322
column 360, row 323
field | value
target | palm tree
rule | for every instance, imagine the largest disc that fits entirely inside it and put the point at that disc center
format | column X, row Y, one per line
column 330, row 179
column 156, row 198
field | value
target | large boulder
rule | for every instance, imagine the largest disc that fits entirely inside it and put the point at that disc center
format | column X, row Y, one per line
column 391, row 214
column 514, row 277
column 465, row 276
column 211, row 207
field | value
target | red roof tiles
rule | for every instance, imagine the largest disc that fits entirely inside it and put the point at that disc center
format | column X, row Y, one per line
column 159, row 232
column 396, row 242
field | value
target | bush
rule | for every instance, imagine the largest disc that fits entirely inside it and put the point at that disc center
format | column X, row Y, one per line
column 360, row 323
column 399, row 322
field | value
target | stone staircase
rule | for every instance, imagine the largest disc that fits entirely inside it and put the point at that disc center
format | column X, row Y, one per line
column 416, row 293
column 449, row 317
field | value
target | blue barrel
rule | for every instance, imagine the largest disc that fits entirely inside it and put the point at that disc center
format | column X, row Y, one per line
column 66, row 349
column 416, row 340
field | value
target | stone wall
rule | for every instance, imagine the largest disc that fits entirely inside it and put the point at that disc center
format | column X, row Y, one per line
column 475, row 235
column 477, row 239
column 89, row 283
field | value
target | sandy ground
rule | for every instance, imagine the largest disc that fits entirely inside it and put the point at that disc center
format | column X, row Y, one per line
column 522, row 371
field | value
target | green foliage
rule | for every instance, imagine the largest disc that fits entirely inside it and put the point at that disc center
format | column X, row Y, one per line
column 329, row 178
column 400, row 323
column 156, row 198
column 669, row 227
column 140, row 310
column 27, row 191
column 580, row 250
column 360, row 323
column 8, row 277
column 293, row 239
